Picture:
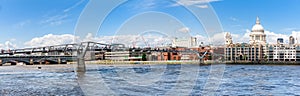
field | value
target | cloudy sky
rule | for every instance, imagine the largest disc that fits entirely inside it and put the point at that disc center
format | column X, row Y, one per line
column 29, row 23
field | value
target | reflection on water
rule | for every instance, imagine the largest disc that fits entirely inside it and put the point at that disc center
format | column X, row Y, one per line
column 149, row 80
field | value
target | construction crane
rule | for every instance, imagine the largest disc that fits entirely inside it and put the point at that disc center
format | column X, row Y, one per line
column 145, row 42
column 134, row 42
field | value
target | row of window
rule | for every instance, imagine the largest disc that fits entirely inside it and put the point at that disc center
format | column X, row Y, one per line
column 275, row 57
column 241, row 48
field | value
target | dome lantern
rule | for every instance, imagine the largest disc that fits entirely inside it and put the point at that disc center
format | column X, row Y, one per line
column 257, row 20
column 257, row 35
column 258, row 27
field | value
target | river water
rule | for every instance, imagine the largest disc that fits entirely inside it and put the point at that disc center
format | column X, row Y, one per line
column 149, row 80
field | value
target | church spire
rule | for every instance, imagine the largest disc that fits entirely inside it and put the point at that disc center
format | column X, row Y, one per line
column 257, row 20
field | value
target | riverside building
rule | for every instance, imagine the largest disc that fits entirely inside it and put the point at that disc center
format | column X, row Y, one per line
column 284, row 52
column 259, row 50
column 254, row 51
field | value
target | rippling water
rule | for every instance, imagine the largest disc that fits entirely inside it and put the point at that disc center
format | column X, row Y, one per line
column 261, row 79
column 152, row 80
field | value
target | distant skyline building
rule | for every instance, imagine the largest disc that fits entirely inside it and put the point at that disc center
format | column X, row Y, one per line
column 291, row 40
column 280, row 40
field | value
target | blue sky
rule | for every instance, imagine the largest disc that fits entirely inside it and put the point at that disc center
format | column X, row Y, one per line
column 280, row 16
column 23, row 22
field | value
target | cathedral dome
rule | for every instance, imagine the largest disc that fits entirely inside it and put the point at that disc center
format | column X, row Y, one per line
column 257, row 27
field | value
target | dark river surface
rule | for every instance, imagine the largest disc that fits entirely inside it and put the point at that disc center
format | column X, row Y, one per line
column 149, row 80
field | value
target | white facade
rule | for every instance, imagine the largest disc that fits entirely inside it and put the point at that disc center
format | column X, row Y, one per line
column 243, row 52
column 185, row 42
column 284, row 52
column 119, row 55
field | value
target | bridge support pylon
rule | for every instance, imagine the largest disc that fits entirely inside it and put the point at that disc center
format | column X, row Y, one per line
column 80, row 65
column 201, row 61
column 58, row 60
column 31, row 61
column 80, row 57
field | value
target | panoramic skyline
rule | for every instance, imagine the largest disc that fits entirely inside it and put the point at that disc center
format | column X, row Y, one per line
column 37, row 23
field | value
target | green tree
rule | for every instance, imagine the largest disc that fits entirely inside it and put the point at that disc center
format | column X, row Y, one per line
column 266, row 57
column 209, row 57
column 144, row 58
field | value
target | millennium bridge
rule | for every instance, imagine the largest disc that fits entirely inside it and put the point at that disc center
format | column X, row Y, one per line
column 56, row 54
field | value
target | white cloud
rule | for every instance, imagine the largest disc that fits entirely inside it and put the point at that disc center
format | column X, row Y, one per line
column 74, row 6
column 201, row 38
column 184, row 30
column 296, row 35
column 2, row 46
column 147, row 4
column 9, row 44
column 195, row 2
column 241, row 38
column 55, row 20
column 271, row 37
column 50, row 39
column 198, row 3
column 143, row 5
column 22, row 24
column 131, row 40
column 141, row 41
column 61, row 18
column 217, row 39
column 233, row 19
column 128, row 40
column 154, row 40
column 202, row 6
column 289, row 29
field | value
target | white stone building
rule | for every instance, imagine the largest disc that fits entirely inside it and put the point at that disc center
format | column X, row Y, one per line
column 254, row 51
column 284, row 52
column 185, row 42
column 257, row 35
